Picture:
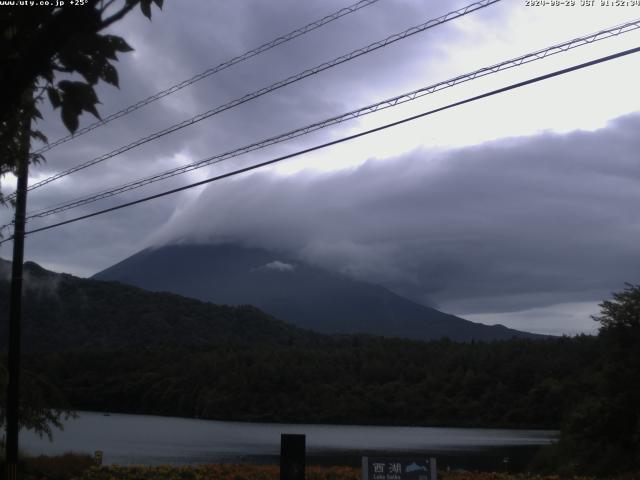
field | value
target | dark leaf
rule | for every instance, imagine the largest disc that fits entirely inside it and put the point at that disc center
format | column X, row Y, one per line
column 106, row 48
column 110, row 75
column 38, row 135
column 37, row 158
column 82, row 62
column 76, row 98
column 159, row 3
column 92, row 110
column 91, row 72
column 118, row 43
column 69, row 118
column 145, row 6
column 79, row 92
column 87, row 98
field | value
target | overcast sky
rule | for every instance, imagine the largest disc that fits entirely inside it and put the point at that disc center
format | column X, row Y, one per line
column 519, row 209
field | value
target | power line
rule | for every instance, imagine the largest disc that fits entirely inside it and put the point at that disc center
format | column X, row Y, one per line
column 212, row 71
column 287, row 81
column 341, row 140
column 390, row 102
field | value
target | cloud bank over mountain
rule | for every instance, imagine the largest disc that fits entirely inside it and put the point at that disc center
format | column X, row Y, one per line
column 504, row 226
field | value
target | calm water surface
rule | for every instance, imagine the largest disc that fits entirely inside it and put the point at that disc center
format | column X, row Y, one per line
column 143, row 439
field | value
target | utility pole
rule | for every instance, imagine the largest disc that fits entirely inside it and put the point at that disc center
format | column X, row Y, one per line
column 15, row 302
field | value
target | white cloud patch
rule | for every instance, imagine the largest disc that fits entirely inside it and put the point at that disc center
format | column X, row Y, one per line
column 280, row 266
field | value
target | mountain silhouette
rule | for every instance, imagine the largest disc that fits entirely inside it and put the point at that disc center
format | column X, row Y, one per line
column 293, row 291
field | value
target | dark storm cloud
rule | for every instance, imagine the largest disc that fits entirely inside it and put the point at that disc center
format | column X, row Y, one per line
column 187, row 38
column 181, row 42
column 504, row 226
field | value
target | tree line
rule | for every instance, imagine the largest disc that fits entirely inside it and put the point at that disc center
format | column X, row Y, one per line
column 360, row 380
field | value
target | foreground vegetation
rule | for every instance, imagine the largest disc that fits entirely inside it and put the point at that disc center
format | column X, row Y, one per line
column 267, row 472
column 61, row 467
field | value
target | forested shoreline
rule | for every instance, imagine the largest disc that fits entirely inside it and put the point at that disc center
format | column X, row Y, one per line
column 359, row 380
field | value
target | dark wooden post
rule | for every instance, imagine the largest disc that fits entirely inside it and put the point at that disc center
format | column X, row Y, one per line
column 292, row 457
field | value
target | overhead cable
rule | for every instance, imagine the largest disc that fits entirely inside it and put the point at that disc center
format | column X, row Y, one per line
column 340, row 140
column 282, row 83
column 390, row 102
column 212, row 71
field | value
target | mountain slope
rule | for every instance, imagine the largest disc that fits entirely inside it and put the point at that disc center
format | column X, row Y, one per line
column 294, row 292
column 62, row 311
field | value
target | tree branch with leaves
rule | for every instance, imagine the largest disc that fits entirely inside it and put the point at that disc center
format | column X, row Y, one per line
column 39, row 45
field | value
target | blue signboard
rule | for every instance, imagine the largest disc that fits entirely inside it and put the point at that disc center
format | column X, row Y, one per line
column 392, row 468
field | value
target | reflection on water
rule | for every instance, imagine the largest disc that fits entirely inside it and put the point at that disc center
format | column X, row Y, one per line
column 143, row 439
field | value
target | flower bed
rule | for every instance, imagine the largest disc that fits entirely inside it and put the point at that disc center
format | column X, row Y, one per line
column 269, row 472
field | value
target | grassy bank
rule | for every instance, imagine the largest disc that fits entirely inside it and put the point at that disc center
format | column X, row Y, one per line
column 61, row 467
column 82, row 467
column 270, row 472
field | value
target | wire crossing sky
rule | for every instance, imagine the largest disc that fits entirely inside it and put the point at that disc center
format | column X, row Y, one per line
column 212, row 71
column 387, row 103
column 557, row 73
column 452, row 15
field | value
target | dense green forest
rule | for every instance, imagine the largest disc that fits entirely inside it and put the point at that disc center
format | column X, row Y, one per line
column 519, row 383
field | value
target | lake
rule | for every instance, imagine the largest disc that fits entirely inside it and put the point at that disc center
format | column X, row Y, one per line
column 151, row 440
